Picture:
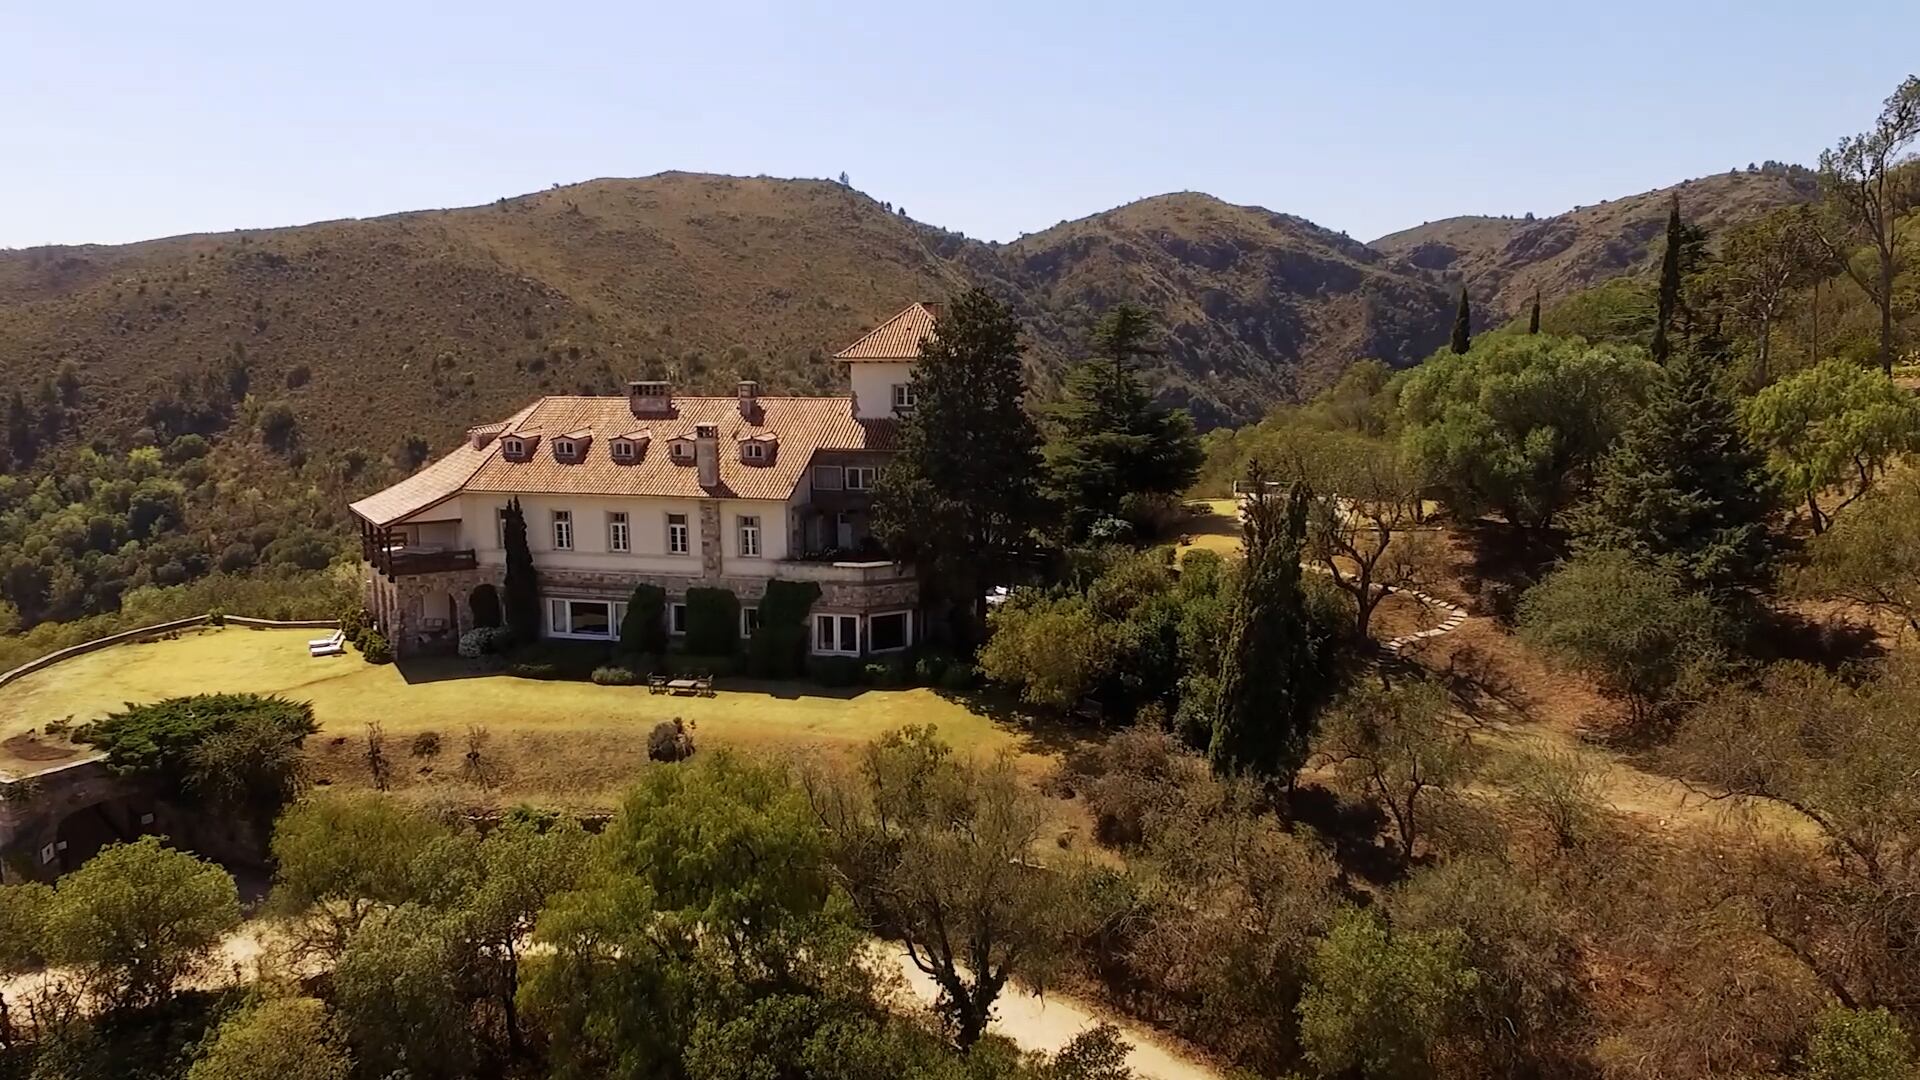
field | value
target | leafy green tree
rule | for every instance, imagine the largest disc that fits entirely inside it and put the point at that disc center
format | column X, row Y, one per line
column 342, row 857
column 1685, row 489
column 522, row 591
column 1462, row 326
column 1872, row 556
column 935, row 854
column 1668, row 298
column 1109, row 440
column 1866, row 190
column 1518, row 424
column 1858, row 1044
column 1834, row 425
column 522, row 866
column 137, row 919
column 1394, row 745
column 962, row 497
column 1631, row 626
column 1056, row 649
column 709, row 892
column 277, row 1039
column 1381, row 1003
column 1762, row 264
column 1364, row 505
column 1272, row 670
column 403, row 985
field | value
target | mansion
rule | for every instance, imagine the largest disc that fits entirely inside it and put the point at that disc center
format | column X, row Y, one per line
column 657, row 488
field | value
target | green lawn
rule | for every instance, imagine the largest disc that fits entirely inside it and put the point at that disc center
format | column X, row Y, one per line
column 574, row 741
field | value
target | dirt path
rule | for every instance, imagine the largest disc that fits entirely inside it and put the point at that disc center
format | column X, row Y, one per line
column 1049, row 1023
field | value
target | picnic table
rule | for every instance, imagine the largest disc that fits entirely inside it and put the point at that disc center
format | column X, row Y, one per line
column 697, row 685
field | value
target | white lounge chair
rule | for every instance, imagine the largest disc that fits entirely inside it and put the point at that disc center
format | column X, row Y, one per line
column 332, row 645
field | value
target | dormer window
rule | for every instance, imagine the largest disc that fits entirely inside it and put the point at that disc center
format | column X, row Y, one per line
column 753, row 451
column 565, row 449
column 623, row 450
column 514, row 447
column 682, row 450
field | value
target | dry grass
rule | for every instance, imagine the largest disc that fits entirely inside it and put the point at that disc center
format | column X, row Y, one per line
column 563, row 742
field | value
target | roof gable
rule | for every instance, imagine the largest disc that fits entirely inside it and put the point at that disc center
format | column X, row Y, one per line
column 899, row 338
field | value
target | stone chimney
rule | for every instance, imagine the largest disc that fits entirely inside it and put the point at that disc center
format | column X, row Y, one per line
column 749, row 396
column 650, row 398
column 706, row 454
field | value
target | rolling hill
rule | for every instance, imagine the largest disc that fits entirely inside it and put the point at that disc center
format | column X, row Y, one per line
column 1503, row 259
column 426, row 322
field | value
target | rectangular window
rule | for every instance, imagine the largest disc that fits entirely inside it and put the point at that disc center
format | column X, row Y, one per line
column 598, row 619
column 750, row 537
column 749, row 621
column 677, row 539
column 889, row 631
column 500, row 527
column 902, row 396
column 861, row 477
column 618, row 539
column 676, row 618
column 836, row 634
column 753, row 451
column 622, row 450
column 826, row 477
column 563, row 530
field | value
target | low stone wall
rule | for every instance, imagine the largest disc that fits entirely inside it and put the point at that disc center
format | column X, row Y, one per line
column 155, row 630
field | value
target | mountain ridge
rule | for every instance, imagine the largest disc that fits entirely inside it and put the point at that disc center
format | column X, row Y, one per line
column 425, row 321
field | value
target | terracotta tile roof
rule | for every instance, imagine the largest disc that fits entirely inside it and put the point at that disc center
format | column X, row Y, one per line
column 899, row 338
column 798, row 427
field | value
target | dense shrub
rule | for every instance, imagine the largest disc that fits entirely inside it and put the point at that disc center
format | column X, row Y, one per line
column 483, row 641
column 610, row 675
column 374, row 647
column 644, row 630
column 556, row 660
column 669, row 741
column 237, row 749
column 426, row 744
column 713, row 622
column 958, row 677
column 778, row 648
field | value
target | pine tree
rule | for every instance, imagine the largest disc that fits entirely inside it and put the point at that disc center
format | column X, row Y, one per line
column 1109, row 439
column 962, row 497
column 1462, row 325
column 21, row 441
column 523, row 582
column 1668, row 306
column 1270, row 672
column 1684, row 489
column 1533, row 320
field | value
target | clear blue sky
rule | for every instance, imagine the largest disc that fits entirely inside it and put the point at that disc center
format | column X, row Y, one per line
column 132, row 120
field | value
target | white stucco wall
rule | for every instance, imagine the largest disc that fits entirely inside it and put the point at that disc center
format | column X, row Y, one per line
column 873, row 382
column 647, row 526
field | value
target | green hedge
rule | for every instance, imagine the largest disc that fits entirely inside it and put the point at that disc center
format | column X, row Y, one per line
column 779, row 646
column 644, row 630
column 713, row 622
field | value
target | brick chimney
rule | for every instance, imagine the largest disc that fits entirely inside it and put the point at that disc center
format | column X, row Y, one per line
column 706, row 454
column 749, row 397
column 648, row 398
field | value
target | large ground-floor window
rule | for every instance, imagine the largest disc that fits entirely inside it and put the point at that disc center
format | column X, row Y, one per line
column 836, row 635
column 889, row 631
column 594, row 620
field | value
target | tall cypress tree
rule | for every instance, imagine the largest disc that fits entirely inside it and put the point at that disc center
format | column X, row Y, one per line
column 1684, row 489
column 1270, row 671
column 1669, row 301
column 1462, row 324
column 962, row 497
column 1533, row 320
column 523, row 582
column 1109, row 438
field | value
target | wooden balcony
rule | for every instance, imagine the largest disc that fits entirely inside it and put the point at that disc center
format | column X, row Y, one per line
column 405, row 563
